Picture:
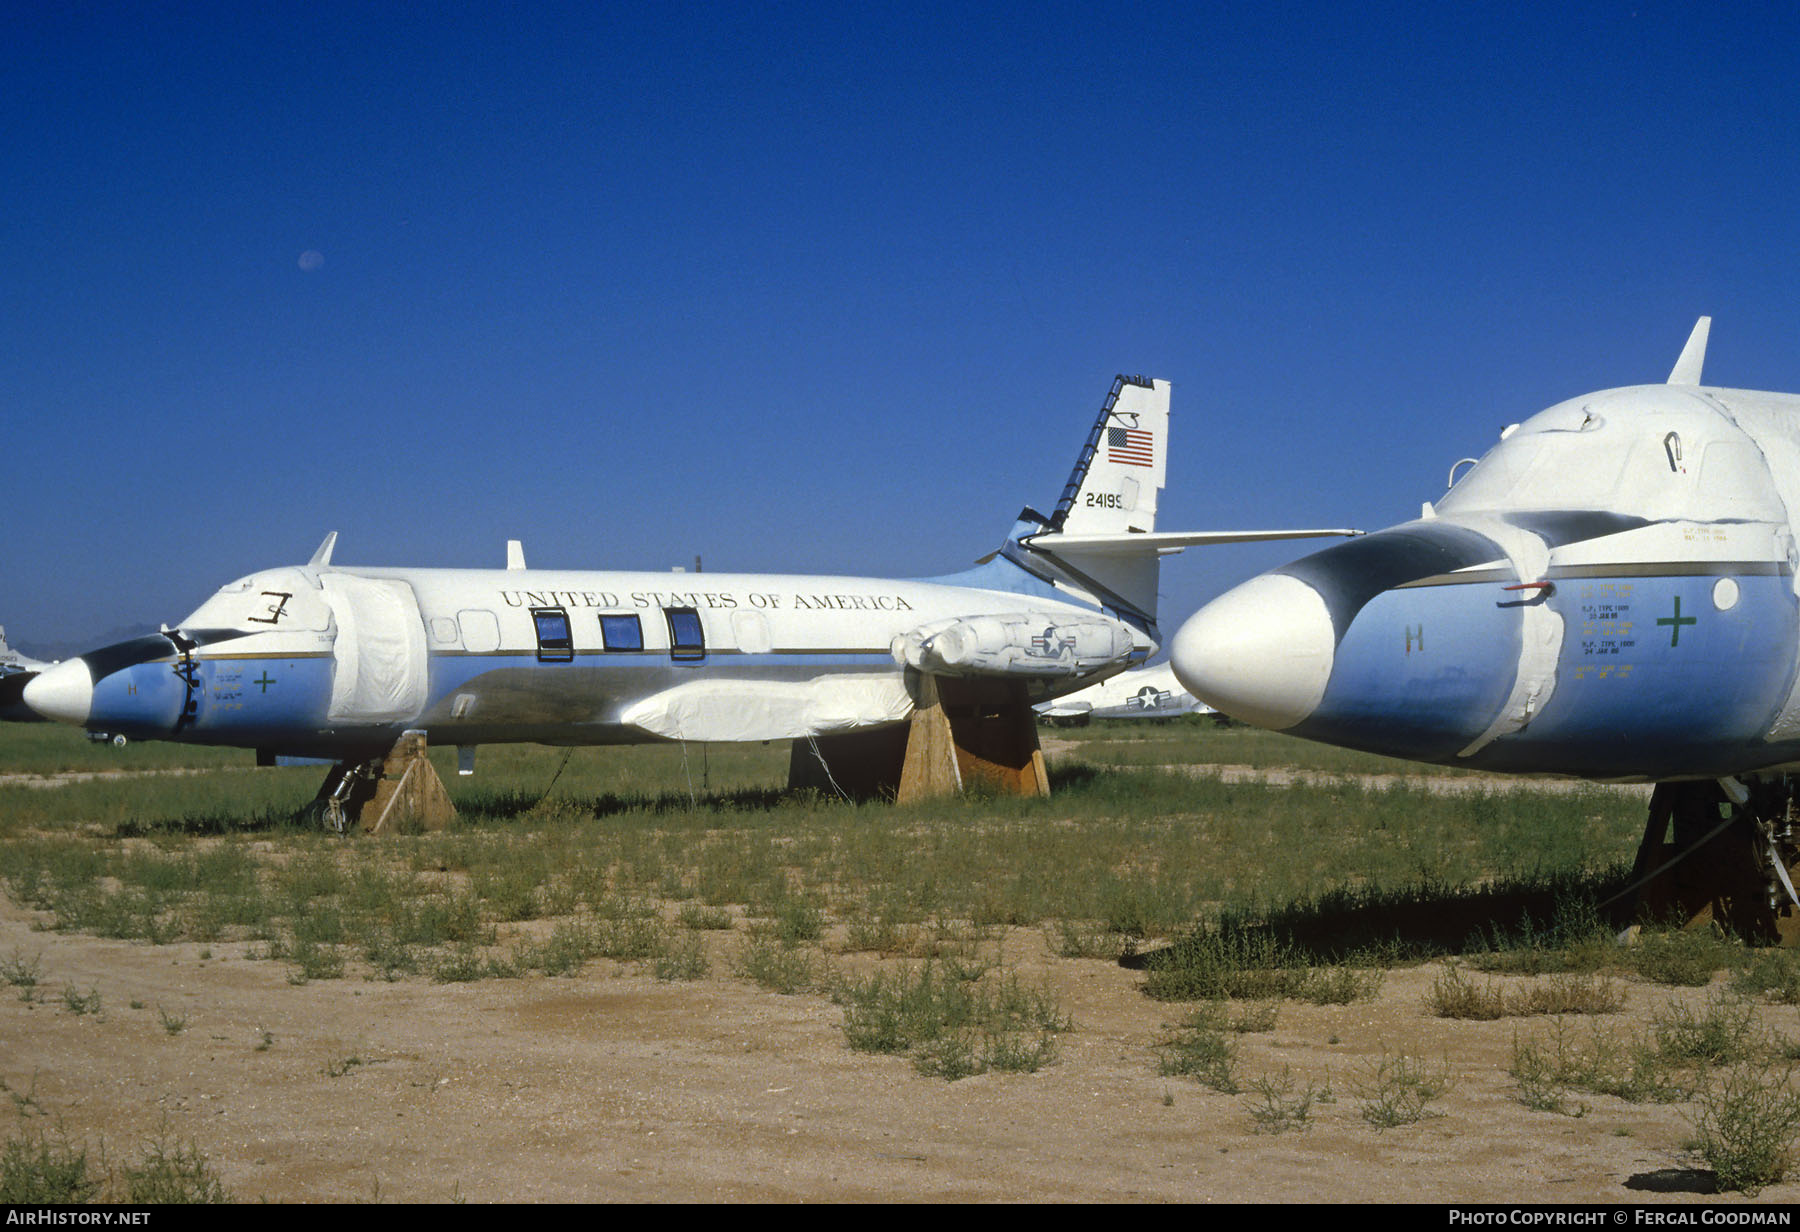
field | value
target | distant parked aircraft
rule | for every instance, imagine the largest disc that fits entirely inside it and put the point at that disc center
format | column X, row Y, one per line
column 1141, row 693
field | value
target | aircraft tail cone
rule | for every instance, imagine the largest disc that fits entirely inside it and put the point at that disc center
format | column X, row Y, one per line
column 64, row 692
column 1261, row 652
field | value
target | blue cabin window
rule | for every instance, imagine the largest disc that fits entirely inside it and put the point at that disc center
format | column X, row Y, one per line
column 687, row 642
column 554, row 642
column 621, row 633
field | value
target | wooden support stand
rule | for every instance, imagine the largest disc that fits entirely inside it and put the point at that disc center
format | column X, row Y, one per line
column 410, row 796
column 1714, row 864
column 972, row 732
column 964, row 733
column 400, row 794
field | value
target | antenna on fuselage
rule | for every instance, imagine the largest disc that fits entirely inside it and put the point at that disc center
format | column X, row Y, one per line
column 1693, row 356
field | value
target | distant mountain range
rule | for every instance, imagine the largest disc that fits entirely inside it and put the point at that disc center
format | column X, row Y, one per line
column 55, row 648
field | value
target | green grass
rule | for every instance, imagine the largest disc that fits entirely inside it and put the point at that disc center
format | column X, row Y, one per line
column 1197, row 739
column 52, row 748
column 1117, row 860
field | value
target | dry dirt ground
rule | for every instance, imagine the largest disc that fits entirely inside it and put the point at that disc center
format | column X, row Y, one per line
column 611, row 1086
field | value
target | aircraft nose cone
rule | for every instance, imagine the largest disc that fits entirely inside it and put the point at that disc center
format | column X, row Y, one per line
column 1261, row 652
column 64, row 692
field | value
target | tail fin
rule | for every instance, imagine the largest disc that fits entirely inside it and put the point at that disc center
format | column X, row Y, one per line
column 1693, row 355
column 1102, row 543
column 1121, row 469
column 1111, row 495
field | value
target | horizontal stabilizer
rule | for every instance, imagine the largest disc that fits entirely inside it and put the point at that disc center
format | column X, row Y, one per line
column 1164, row 542
column 1121, row 569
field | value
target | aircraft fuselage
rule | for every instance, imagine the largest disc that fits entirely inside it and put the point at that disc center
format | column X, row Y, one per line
column 1609, row 593
column 324, row 661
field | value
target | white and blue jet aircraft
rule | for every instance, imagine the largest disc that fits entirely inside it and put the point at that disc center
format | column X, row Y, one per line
column 1141, row 693
column 322, row 660
column 1610, row 593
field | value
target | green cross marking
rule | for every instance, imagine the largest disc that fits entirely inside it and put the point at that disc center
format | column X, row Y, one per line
column 265, row 682
column 1675, row 622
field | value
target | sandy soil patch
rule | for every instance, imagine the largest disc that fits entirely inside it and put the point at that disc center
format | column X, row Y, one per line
column 611, row 1086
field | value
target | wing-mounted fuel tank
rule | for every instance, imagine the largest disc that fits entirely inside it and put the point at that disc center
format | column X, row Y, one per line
column 1024, row 645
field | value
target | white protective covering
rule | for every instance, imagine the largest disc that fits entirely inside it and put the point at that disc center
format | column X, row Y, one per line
column 379, row 657
column 1023, row 645
column 772, row 709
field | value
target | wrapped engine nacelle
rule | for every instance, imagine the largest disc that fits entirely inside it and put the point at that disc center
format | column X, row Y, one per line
column 1029, row 644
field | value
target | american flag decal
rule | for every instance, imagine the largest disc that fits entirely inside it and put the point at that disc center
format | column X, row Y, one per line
column 1131, row 446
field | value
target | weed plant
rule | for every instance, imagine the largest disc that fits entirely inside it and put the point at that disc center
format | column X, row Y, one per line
column 769, row 964
column 1746, row 1126
column 682, row 959
column 1725, row 1031
column 81, row 1003
column 41, row 1169
column 1200, row 1048
column 1668, row 1062
column 951, row 1026
column 1686, row 958
column 170, row 1172
column 1276, row 1107
column 698, row 917
column 1399, row 1090
column 1558, row 930
column 1454, row 995
column 1254, row 965
column 23, row 973
column 1089, row 939
column 878, row 934
column 1773, row 975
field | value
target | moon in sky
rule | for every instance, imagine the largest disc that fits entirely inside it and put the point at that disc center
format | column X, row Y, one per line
column 311, row 260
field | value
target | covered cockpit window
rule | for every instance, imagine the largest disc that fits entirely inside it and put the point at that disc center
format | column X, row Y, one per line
column 280, row 599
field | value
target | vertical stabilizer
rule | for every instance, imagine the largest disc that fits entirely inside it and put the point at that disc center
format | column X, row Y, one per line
column 1693, row 355
column 1111, row 495
column 1120, row 472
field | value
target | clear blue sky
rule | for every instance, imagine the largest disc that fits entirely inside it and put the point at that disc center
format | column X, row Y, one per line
column 833, row 288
